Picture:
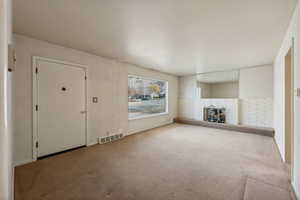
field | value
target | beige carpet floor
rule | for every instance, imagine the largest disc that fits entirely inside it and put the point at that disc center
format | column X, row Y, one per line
column 175, row 162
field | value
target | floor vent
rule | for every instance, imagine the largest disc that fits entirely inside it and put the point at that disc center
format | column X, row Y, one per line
column 107, row 139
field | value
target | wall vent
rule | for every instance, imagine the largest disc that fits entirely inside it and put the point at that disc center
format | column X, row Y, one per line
column 107, row 139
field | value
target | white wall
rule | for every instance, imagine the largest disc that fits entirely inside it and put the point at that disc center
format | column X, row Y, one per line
column 292, row 32
column 6, row 172
column 107, row 79
column 256, row 82
column 256, row 96
column 187, row 97
column 3, row 136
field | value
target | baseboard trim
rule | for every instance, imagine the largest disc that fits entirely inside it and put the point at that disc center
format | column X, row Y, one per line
column 278, row 149
column 22, row 162
column 238, row 128
column 92, row 143
column 147, row 129
column 13, row 184
column 294, row 194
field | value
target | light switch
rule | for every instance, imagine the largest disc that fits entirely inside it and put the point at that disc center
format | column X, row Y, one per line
column 95, row 99
column 298, row 92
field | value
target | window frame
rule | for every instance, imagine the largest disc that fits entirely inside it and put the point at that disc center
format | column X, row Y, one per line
column 149, row 115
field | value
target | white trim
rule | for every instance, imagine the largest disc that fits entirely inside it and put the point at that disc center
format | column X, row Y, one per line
column 13, row 182
column 35, row 100
column 132, row 132
column 23, row 162
column 60, row 62
column 294, row 191
column 167, row 97
column 34, row 113
column 148, row 116
column 146, row 77
column 87, row 138
column 92, row 143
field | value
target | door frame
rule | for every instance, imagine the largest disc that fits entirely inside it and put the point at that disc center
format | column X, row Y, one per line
column 291, row 125
column 35, row 60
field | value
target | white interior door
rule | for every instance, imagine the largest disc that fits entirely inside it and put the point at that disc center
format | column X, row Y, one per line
column 61, row 113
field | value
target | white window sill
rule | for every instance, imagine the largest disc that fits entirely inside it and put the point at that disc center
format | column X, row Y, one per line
column 148, row 116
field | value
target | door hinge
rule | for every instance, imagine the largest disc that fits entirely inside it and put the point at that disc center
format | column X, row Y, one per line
column 36, row 144
column 85, row 78
column 36, row 107
column 12, row 58
column 15, row 59
column 36, row 70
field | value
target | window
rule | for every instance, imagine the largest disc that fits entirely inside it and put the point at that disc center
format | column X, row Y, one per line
column 146, row 97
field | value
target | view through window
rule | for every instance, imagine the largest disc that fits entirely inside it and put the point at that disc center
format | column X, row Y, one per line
column 146, row 97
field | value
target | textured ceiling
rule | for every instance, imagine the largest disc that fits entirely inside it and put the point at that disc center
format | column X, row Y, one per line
column 175, row 36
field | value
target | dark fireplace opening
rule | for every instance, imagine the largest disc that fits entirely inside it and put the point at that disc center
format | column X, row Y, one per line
column 214, row 114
